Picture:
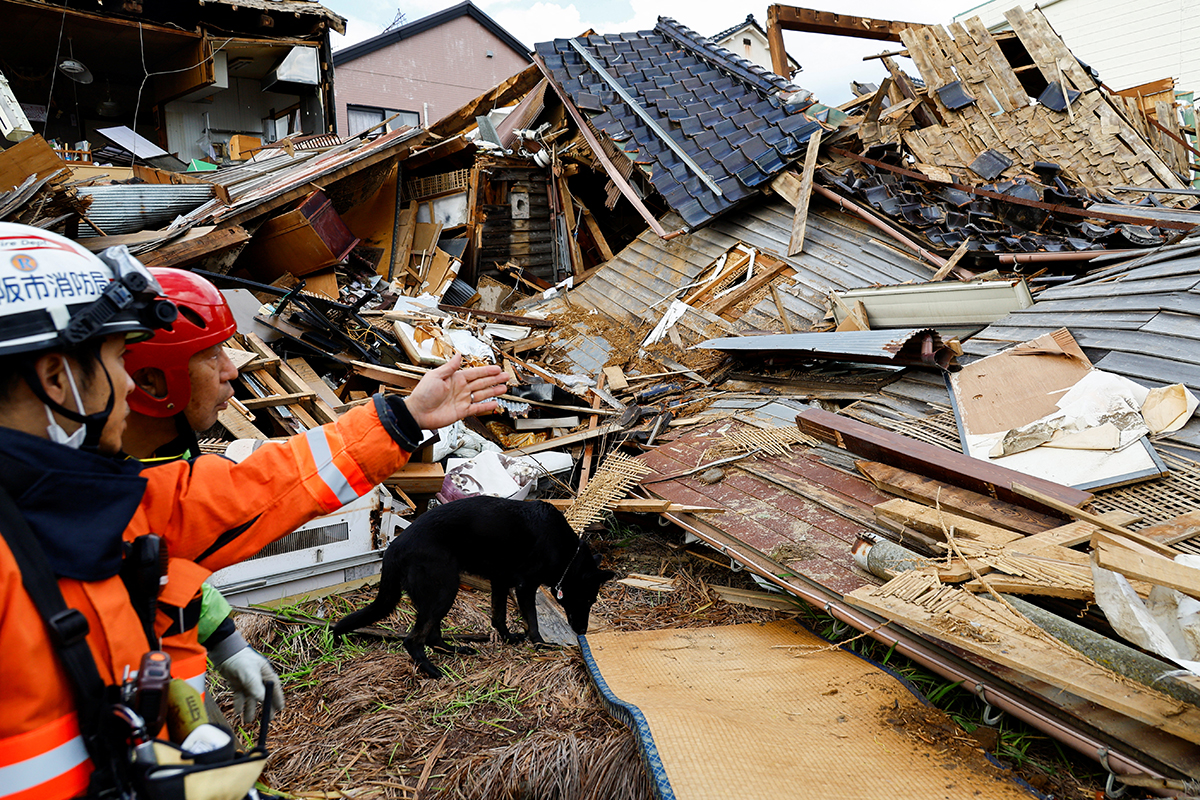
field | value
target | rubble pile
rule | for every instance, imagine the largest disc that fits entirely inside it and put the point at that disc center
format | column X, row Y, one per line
column 905, row 358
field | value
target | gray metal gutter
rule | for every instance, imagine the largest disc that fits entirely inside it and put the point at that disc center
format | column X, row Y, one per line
column 913, row 347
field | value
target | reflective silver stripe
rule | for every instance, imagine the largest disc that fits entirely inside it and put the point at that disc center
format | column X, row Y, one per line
column 39, row 769
column 326, row 469
column 197, row 682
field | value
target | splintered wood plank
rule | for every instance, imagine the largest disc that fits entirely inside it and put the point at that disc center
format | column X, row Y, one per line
column 964, row 502
column 937, row 523
column 1140, row 563
column 1012, row 584
column 800, row 218
column 1096, row 519
column 188, row 250
column 982, row 626
column 1185, row 526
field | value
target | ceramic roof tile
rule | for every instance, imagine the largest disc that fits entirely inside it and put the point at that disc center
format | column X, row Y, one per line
column 720, row 111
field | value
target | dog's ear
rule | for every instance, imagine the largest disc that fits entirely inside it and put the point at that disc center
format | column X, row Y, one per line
column 596, row 559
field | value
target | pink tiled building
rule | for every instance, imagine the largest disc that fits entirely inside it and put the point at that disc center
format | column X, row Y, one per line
column 423, row 70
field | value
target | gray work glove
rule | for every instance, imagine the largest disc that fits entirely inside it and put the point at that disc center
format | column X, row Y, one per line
column 247, row 670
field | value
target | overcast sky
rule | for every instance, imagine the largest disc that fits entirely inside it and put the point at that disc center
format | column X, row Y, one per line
column 829, row 62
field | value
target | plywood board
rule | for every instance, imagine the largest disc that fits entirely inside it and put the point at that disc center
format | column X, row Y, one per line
column 1021, row 384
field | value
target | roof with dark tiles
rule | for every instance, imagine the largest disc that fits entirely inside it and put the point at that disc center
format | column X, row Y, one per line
column 729, row 116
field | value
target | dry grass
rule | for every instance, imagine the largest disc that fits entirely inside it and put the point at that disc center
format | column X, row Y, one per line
column 508, row 722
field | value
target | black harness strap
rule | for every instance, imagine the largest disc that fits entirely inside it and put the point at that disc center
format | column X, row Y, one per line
column 68, row 630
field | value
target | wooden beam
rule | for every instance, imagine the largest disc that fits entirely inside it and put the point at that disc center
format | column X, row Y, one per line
column 637, row 505
column 273, row 400
column 937, row 523
column 564, row 441
column 499, row 316
column 1185, row 526
column 1095, row 519
column 800, row 218
column 1141, row 564
column 437, row 152
column 783, row 317
column 185, row 251
column 807, row 20
column 585, row 129
column 585, row 463
column 391, row 377
column 907, row 453
column 957, row 500
column 779, row 57
column 503, row 94
column 589, row 219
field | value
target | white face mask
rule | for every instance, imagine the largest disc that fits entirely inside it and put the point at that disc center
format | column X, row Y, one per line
column 54, row 430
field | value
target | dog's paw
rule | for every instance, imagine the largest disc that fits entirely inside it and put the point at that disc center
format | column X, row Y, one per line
column 513, row 638
column 430, row 671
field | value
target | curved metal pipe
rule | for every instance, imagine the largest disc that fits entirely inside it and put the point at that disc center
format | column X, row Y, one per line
column 1082, row 255
column 912, row 647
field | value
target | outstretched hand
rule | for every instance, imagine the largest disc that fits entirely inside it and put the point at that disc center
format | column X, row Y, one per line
column 449, row 393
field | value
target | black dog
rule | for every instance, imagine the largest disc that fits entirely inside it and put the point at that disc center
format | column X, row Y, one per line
column 513, row 543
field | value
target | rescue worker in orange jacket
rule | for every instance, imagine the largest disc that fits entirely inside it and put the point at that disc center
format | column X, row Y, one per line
column 182, row 381
column 65, row 317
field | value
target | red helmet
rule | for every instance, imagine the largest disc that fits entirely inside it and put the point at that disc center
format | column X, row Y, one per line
column 204, row 320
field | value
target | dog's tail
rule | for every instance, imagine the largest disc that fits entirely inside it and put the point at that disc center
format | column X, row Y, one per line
column 390, row 592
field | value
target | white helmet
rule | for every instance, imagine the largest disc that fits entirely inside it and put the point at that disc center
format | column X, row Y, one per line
column 55, row 293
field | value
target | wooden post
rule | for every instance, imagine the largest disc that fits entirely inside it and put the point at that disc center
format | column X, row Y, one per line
column 800, row 219
column 585, row 463
column 779, row 57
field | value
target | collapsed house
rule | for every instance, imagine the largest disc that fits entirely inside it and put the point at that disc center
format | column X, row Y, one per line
column 199, row 80
column 838, row 335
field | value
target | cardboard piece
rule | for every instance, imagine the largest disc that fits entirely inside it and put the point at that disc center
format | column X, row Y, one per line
column 1010, row 405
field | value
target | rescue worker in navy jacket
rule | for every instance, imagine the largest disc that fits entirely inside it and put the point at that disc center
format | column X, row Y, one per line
column 65, row 318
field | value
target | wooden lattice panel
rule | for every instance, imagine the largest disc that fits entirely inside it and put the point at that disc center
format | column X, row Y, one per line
column 446, row 182
column 771, row 441
column 610, row 483
column 1159, row 500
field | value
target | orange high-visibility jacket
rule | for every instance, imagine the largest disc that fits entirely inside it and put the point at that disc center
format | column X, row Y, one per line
column 211, row 511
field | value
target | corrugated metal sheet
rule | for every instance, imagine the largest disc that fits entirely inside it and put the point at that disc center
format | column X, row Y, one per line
column 255, row 183
column 123, row 208
column 840, row 252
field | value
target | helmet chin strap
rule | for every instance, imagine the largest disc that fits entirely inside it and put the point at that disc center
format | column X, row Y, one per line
column 87, row 435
